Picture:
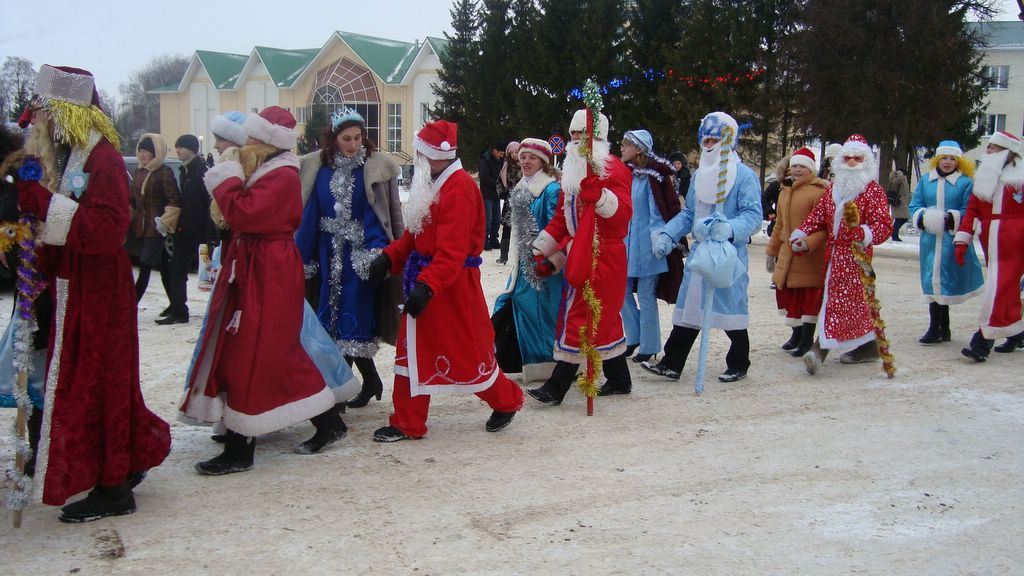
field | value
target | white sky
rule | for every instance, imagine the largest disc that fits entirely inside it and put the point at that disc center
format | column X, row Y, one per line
column 112, row 38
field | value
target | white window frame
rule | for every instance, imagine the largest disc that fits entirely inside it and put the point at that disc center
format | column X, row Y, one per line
column 992, row 123
column 394, row 134
column 997, row 77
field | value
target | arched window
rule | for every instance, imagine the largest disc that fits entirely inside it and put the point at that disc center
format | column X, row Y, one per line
column 345, row 84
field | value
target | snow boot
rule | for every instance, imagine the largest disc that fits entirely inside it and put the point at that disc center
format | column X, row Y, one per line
column 794, row 340
column 815, row 357
column 329, row 429
column 101, row 502
column 866, row 352
column 979, row 347
column 372, row 385
column 237, row 456
column 806, row 339
column 935, row 333
column 553, row 391
column 619, row 380
column 1012, row 343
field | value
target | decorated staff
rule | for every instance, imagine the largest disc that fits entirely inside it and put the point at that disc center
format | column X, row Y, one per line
column 593, row 216
column 723, row 209
column 851, row 218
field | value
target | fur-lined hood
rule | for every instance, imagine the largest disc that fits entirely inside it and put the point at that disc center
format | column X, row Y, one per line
column 160, row 148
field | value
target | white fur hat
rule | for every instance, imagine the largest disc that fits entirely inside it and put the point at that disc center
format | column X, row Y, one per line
column 273, row 125
column 1006, row 140
column 230, row 126
column 579, row 124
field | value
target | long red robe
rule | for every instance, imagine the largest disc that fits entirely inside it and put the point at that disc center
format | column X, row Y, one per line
column 251, row 370
column 96, row 427
column 1002, row 239
column 845, row 318
column 613, row 212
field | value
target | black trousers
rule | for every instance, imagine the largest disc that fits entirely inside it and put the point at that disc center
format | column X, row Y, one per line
column 185, row 253
column 142, row 281
column 681, row 340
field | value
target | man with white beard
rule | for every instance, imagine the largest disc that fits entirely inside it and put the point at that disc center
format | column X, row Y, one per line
column 997, row 203
column 446, row 339
column 844, row 322
column 610, row 193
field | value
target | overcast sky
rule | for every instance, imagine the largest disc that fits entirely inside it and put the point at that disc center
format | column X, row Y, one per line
column 113, row 38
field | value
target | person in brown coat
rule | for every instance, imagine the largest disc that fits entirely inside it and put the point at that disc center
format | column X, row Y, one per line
column 156, row 204
column 798, row 280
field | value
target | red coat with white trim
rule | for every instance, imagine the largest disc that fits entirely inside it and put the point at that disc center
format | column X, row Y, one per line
column 845, row 318
column 1002, row 238
column 613, row 210
column 96, row 427
column 449, row 347
column 251, row 369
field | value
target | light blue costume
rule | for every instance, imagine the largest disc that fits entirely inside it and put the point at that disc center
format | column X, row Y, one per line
column 535, row 311
column 341, row 234
column 9, row 374
column 942, row 280
column 742, row 210
column 641, row 324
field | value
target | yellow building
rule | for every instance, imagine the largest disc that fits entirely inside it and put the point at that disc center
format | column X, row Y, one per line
column 387, row 81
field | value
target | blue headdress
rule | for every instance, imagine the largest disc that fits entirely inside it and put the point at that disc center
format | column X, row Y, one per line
column 346, row 115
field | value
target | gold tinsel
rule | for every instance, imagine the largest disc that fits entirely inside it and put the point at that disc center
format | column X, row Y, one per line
column 851, row 218
column 73, row 123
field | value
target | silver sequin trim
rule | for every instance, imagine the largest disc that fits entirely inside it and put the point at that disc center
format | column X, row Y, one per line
column 58, row 220
column 359, row 348
column 52, row 83
column 43, row 457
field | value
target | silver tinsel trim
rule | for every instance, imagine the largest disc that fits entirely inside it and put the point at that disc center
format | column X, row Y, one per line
column 76, row 162
column 359, row 348
column 310, row 270
column 52, row 375
column 524, row 228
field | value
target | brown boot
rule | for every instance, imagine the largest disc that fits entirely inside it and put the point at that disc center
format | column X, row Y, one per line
column 867, row 352
column 814, row 357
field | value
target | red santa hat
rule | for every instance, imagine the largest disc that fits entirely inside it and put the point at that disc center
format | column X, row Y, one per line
column 804, row 157
column 856, row 145
column 1006, row 140
column 274, row 126
column 539, row 148
column 437, row 140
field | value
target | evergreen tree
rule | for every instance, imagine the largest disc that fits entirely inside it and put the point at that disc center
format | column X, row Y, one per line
column 493, row 88
column 458, row 64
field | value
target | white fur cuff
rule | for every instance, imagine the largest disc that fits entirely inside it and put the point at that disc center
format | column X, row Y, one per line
column 934, row 221
column 607, row 205
column 222, row 172
column 868, row 236
column 58, row 220
column 545, row 244
column 963, row 237
column 797, row 234
column 558, row 259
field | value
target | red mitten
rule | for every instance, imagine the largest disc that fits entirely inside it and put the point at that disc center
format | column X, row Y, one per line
column 591, row 189
column 960, row 251
column 847, row 234
column 542, row 266
column 33, row 198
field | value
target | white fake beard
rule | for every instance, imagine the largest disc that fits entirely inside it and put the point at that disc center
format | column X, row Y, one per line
column 986, row 178
column 708, row 172
column 850, row 182
column 574, row 169
column 416, row 210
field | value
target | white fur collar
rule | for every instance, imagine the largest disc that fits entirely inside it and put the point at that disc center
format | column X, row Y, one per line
column 537, row 184
column 279, row 161
column 951, row 178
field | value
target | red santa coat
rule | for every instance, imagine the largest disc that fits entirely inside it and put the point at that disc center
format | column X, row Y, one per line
column 845, row 318
column 96, row 427
column 613, row 210
column 449, row 347
column 251, row 370
column 1002, row 240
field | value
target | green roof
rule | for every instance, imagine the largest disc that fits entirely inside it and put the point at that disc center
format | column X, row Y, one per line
column 439, row 45
column 167, row 88
column 222, row 67
column 285, row 66
column 1004, row 34
column 389, row 59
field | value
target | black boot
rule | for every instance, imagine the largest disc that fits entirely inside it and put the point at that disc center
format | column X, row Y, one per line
column 1012, row 343
column 944, row 322
column 236, row 457
column 979, row 348
column 934, row 335
column 619, row 381
column 372, row 385
column 101, row 502
column 806, row 339
column 794, row 339
column 329, row 429
column 553, row 391
column 35, row 427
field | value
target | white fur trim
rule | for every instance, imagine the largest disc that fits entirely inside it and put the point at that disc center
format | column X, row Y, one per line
column 916, row 220
column 222, row 172
column 797, row 234
column 558, row 259
column 545, row 243
column 949, row 151
column 934, row 221
column 278, row 136
column 868, row 236
column 58, row 220
column 607, row 205
column 434, row 153
column 579, row 124
column 801, row 160
column 956, row 218
column 1001, row 139
column 227, row 130
column 280, row 161
column 962, row 237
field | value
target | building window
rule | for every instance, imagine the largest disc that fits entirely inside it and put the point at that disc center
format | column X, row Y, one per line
column 300, row 114
column 996, row 77
column 424, row 114
column 345, row 84
column 992, row 123
column 394, row 127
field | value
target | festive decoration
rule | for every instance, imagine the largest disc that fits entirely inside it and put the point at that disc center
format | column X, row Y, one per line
column 851, row 218
column 72, row 123
column 29, row 285
column 652, row 75
column 524, row 228
column 346, row 115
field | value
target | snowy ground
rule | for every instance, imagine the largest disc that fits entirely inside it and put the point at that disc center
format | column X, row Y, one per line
column 782, row 473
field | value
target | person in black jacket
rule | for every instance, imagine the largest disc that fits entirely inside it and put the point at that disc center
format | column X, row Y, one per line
column 194, row 226
column 489, row 170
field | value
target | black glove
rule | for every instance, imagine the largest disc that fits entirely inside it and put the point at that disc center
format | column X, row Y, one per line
column 418, row 299
column 949, row 222
column 379, row 269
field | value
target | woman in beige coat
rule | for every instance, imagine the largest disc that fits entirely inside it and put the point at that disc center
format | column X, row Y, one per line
column 156, row 205
column 798, row 279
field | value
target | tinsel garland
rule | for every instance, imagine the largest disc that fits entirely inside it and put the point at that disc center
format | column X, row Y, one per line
column 72, row 123
column 29, row 285
column 587, row 381
column 646, row 171
column 851, row 218
column 343, row 228
column 415, row 264
column 524, row 228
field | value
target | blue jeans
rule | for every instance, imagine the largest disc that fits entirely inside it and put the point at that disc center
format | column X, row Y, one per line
column 642, row 325
column 492, row 211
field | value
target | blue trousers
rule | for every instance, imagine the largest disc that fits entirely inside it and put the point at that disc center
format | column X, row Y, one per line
column 492, row 212
column 642, row 325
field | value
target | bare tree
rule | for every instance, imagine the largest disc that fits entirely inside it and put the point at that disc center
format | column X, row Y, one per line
column 17, row 79
column 139, row 111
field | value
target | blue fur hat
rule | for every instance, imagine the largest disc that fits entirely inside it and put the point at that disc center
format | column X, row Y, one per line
column 642, row 139
column 949, row 148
